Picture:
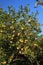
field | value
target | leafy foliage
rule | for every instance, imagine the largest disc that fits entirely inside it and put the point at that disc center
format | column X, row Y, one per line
column 20, row 42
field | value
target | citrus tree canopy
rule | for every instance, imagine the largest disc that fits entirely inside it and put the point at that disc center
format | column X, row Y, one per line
column 20, row 43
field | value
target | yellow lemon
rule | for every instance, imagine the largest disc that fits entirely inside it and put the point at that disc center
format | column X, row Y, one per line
column 17, row 47
column 4, row 62
column 26, row 41
column 25, row 33
column 21, row 48
column 10, row 41
column 10, row 59
column 21, row 40
column 29, row 20
column 12, row 21
column 22, row 28
column 3, row 26
column 11, row 27
column 18, row 34
column 13, row 35
column 35, row 44
column 15, row 19
column 1, row 31
column 13, row 31
column 19, row 51
column 30, row 34
column 26, row 48
column 12, row 38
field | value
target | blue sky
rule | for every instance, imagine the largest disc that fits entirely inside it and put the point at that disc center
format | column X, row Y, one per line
column 17, row 3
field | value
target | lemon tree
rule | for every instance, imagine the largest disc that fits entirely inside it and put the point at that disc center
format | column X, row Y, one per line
column 20, row 42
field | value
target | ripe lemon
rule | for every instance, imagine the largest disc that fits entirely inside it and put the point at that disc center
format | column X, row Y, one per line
column 21, row 40
column 35, row 44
